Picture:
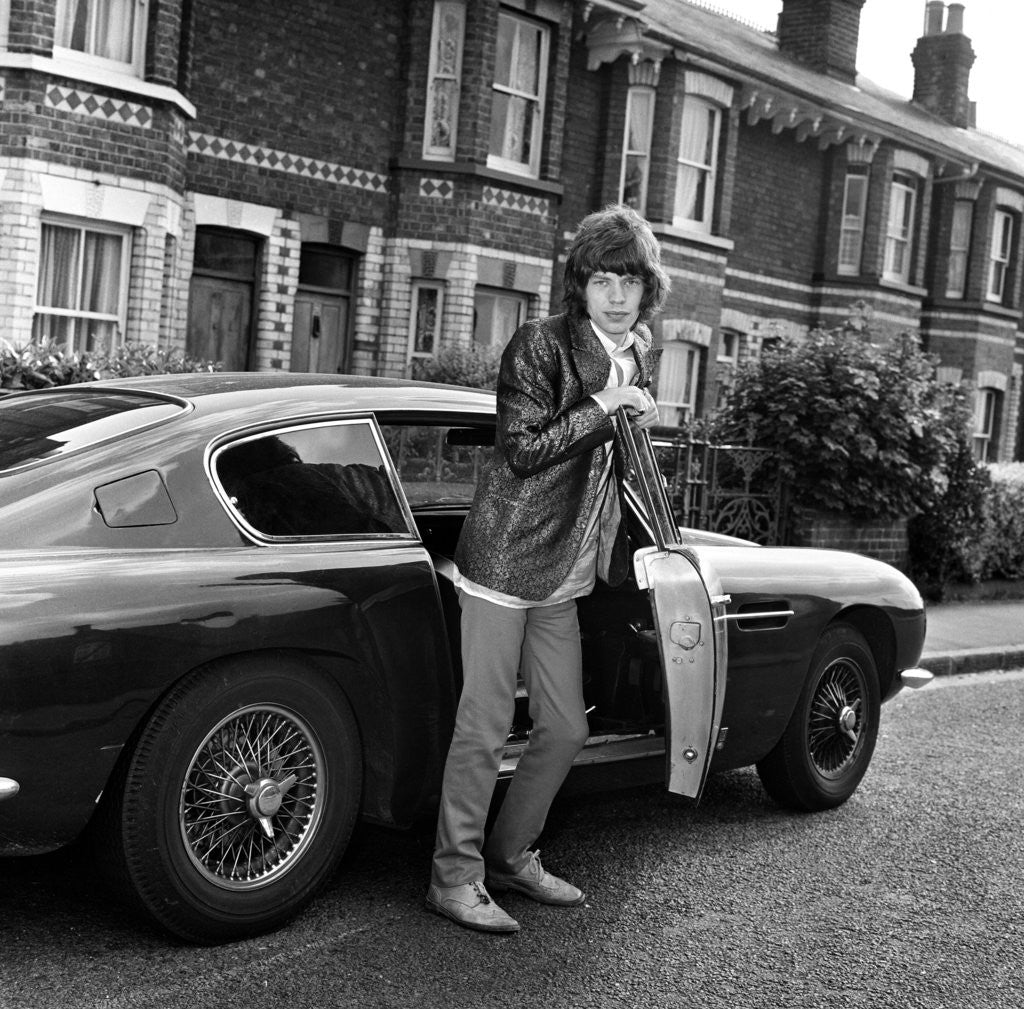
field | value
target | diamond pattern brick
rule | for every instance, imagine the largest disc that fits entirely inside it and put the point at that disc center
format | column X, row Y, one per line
column 507, row 200
column 86, row 103
column 266, row 157
column 441, row 189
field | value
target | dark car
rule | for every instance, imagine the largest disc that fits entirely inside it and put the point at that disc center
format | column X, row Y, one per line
column 229, row 629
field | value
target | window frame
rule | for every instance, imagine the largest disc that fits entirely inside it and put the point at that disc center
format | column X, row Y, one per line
column 1000, row 255
column 686, row 406
column 641, row 153
column 498, row 162
column 314, row 539
column 852, row 226
column 134, row 67
column 442, row 10
column 705, row 223
column 959, row 252
column 985, row 422
column 418, row 286
column 900, row 235
column 521, row 297
column 83, row 226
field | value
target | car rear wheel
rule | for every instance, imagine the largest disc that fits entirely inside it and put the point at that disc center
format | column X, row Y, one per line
column 238, row 799
column 827, row 745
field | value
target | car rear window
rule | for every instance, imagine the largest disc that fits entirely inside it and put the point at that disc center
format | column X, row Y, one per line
column 37, row 426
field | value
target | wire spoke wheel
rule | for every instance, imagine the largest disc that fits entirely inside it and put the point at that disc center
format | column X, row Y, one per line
column 826, row 747
column 251, row 800
column 834, row 728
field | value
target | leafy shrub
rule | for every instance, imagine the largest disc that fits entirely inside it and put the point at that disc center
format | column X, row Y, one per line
column 41, row 365
column 1003, row 537
column 460, row 364
column 946, row 540
column 857, row 427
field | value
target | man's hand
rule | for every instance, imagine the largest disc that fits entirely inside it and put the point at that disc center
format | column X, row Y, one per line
column 638, row 402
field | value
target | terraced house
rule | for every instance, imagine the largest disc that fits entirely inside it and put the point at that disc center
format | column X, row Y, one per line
column 343, row 186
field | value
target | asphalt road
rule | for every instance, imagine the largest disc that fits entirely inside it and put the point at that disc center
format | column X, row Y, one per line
column 910, row 895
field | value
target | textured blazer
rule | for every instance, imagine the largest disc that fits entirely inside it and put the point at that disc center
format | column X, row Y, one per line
column 527, row 520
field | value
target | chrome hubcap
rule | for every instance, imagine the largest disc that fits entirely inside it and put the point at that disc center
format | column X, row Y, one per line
column 836, row 728
column 252, row 797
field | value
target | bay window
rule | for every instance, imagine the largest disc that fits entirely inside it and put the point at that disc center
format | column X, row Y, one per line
column 851, row 234
column 986, row 408
column 636, row 148
column 678, row 379
column 999, row 255
column 899, row 237
column 959, row 247
column 517, row 95
column 108, row 33
column 444, row 80
column 81, row 294
column 696, row 164
column 497, row 314
column 425, row 324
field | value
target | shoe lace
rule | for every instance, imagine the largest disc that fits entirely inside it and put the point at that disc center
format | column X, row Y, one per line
column 478, row 889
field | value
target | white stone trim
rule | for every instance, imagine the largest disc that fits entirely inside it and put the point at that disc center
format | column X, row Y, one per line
column 706, row 86
column 1010, row 198
column 908, row 161
column 73, row 70
column 93, row 200
column 218, row 211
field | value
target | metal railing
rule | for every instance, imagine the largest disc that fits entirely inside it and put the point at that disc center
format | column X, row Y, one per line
column 730, row 489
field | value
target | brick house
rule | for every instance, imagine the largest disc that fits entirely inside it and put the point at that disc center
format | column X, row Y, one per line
column 343, row 186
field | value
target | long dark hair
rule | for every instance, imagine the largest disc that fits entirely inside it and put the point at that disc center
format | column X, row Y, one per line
column 615, row 240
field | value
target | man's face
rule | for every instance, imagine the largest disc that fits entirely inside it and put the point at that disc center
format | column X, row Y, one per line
column 613, row 303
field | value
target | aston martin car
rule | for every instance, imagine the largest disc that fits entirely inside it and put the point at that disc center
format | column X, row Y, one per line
column 228, row 630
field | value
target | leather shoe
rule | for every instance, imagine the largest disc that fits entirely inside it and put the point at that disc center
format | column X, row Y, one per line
column 536, row 882
column 470, row 904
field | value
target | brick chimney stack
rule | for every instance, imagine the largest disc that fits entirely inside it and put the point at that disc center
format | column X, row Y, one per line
column 823, row 34
column 942, row 61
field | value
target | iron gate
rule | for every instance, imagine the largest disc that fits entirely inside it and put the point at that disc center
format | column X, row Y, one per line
column 732, row 489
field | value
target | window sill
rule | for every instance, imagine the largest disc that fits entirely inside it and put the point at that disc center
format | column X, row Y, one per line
column 903, row 287
column 693, row 237
column 79, row 71
column 479, row 171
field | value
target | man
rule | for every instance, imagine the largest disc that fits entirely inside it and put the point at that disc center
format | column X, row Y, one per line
column 545, row 522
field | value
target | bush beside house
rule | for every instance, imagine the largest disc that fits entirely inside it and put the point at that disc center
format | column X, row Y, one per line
column 867, row 441
column 40, row 366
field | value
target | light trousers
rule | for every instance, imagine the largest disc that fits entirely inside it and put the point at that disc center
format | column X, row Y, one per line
column 497, row 642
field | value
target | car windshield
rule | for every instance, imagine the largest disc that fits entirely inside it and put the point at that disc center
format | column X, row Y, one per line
column 36, row 426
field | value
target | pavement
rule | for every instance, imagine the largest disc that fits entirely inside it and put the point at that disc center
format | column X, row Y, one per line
column 974, row 636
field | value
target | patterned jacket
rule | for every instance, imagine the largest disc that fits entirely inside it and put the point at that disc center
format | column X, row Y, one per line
column 527, row 520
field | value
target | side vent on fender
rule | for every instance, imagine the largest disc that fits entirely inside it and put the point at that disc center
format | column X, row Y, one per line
column 763, row 615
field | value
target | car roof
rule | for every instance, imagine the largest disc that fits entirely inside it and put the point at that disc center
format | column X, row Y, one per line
column 350, row 392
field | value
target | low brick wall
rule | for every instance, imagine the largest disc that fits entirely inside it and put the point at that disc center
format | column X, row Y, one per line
column 884, row 539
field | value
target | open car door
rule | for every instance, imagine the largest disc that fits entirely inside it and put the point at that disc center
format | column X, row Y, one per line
column 689, row 619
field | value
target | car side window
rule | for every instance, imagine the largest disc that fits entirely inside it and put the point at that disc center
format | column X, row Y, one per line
column 327, row 480
column 439, row 464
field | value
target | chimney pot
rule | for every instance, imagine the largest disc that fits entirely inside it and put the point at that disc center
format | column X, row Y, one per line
column 955, row 19
column 934, row 11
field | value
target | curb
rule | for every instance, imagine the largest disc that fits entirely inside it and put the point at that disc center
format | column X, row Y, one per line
column 973, row 660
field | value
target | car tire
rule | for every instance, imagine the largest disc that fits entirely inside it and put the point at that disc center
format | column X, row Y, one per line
column 825, row 749
column 237, row 800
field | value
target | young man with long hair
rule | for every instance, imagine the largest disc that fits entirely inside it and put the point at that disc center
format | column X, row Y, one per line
column 545, row 523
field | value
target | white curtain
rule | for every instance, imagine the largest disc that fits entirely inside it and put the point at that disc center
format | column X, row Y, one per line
column 114, row 29
column 98, row 27
column 58, row 267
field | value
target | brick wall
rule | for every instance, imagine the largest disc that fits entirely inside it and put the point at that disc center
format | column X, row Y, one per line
column 777, row 206
column 883, row 539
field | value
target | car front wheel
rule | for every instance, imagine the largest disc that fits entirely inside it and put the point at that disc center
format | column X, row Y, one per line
column 827, row 745
column 237, row 801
